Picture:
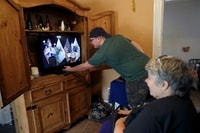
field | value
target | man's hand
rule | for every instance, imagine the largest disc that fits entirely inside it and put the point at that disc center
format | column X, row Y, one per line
column 67, row 68
column 81, row 67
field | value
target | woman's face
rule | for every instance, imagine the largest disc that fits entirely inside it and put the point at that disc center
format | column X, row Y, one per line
column 155, row 90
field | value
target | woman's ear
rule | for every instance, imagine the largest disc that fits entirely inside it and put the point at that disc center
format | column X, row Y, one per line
column 165, row 85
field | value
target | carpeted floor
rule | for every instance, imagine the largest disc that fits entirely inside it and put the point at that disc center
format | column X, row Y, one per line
column 85, row 126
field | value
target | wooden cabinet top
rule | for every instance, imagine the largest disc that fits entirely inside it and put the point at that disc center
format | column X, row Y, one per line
column 53, row 78
column 69, row 4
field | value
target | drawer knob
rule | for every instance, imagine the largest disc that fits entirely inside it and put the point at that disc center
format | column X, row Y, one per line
column 49, row 115
column 48, row 92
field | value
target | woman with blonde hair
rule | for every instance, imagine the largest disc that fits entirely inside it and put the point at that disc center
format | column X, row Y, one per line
column 169, row 81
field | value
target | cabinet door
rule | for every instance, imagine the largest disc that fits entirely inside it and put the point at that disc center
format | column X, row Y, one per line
column 79, row 99
column 14, row 72
column 49, row 115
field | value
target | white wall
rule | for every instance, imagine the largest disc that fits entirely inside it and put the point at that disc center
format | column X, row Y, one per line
column 5, row 115
column 181, row 28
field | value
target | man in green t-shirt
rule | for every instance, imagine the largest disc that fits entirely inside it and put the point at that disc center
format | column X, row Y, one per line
column 124, row 57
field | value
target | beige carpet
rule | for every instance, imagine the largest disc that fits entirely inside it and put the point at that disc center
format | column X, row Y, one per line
column 85, row 126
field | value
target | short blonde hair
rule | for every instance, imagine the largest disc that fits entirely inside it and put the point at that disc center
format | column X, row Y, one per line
column 173, row 70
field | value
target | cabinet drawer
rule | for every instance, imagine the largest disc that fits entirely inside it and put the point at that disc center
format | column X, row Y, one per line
column 70, row 83
column 46, row 91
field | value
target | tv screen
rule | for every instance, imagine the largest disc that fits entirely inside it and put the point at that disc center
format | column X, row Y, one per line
column 57, row 51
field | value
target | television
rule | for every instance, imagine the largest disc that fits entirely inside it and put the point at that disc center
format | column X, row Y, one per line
column 57, row 51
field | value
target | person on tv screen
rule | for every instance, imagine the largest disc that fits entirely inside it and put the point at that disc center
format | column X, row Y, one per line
column 60, row 52
column 50, row 53
column 72, row 51
column 170, row 81
column 126, row 58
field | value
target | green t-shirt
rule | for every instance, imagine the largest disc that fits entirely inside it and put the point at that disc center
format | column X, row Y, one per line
column 121, row 55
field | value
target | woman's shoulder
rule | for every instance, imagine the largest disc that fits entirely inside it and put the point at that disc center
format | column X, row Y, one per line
column 171, row 104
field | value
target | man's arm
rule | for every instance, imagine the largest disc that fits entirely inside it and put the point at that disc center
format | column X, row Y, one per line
column 81, row 67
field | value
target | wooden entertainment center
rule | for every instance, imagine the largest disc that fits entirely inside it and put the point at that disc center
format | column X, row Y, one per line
column 52, row 102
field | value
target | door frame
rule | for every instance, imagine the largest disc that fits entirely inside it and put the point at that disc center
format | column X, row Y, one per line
column 158, row 27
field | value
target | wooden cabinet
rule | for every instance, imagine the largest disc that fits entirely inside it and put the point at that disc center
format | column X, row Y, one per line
column 49, row 115
column 79, row 102
column 56, row 101
column 14, row 68
column 52, row 102
column 47, row 105
column 78, row 92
